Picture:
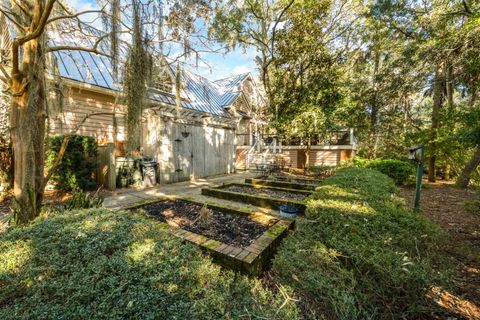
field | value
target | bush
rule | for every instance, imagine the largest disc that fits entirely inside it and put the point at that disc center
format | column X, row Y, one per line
column 359, row 253
column 6, row 166
column 98, row 264
column 79, row 200
column 401, row 172
column 79, row 163
column 321, row 171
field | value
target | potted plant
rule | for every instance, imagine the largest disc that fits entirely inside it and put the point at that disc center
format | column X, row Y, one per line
column 288, row 211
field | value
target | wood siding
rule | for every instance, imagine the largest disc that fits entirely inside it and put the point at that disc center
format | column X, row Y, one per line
column 324, row 157
column 206, row 151
column 294, row 156
column 81, row 103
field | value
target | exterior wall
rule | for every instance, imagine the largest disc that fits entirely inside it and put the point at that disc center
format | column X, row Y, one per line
column 206, row 151
column 243, row 132
column 241, row 158
column 80, row 103
column 324, row 157
column 294, row 156
column 319, row 155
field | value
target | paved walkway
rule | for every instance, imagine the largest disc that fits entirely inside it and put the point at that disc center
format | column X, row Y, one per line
column 191, row 189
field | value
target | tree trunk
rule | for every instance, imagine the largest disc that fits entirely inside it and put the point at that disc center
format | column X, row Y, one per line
column 437, row 104
column 373, row 135
column 447, row 172
column 449, row 85
column 307, row 154
column 28, row 116
column 464, row 178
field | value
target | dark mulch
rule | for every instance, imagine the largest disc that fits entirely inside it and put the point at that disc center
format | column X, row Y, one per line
column 271, row 193
column 230, row 228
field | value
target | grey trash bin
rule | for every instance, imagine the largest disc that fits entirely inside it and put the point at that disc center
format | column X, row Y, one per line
column 149, row 169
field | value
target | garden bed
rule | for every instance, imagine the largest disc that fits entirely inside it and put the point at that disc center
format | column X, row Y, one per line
column 285, row 182
column 267, row 197
column 241, row 240
column 227, row 227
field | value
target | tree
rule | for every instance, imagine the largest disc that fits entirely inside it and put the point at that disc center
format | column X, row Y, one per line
column 470, row 134
column 308, row 98
column 251, row 23
column 439, row 36
column 32, row 20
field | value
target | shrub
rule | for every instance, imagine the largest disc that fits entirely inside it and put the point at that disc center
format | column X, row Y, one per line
column 79, row 163
column 321, row 171
column 359, row 253
column 79, row 200
column 6, row 166
column 401, row 172
column 98, row 264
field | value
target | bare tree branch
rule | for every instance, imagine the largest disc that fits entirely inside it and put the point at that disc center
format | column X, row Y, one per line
column 73, row 16
column 30, row 36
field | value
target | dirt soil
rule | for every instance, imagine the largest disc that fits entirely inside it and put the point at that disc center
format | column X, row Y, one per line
column 444, row 204
column 279, row 194
column 230, row 228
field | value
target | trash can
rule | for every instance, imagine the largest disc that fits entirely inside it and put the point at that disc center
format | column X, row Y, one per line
column 149, row 170
column 128, row 171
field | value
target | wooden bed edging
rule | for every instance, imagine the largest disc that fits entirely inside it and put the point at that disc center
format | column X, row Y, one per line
column 281, row 184
column 261, row 201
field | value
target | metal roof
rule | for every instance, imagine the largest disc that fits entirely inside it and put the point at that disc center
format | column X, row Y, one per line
column 214, row 97
column 198, row 93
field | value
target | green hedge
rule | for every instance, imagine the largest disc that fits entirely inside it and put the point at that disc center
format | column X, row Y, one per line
column 359, row 253
column 79, row 164
column 401, row 172
column 98, row 264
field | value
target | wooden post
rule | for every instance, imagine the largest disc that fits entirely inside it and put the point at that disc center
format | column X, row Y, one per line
column 106, row 169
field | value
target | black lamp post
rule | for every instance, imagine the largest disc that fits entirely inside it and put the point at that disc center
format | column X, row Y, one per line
column 417, row 155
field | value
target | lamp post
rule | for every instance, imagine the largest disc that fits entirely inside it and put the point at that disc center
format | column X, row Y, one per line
column 417, row 155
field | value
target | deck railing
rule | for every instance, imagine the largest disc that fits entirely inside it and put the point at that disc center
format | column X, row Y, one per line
column 333, row 138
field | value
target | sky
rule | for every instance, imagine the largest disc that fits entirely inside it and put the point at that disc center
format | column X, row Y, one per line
column 216, row 66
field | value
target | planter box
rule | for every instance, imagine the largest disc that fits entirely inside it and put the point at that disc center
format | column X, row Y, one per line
column 250, row 260
column 260, row 200
column 282, row 184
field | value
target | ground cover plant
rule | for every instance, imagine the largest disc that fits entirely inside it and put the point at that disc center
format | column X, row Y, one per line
column 99, row 264
column 359, row 252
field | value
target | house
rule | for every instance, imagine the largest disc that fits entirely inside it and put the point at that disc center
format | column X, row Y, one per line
column 194, row 141
column 217, row 128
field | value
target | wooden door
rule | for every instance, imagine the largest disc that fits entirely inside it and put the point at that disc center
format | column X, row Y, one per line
column 182, row 152
column 301, row 159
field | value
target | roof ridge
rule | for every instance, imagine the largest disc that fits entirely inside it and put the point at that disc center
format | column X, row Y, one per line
column 244, row 74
